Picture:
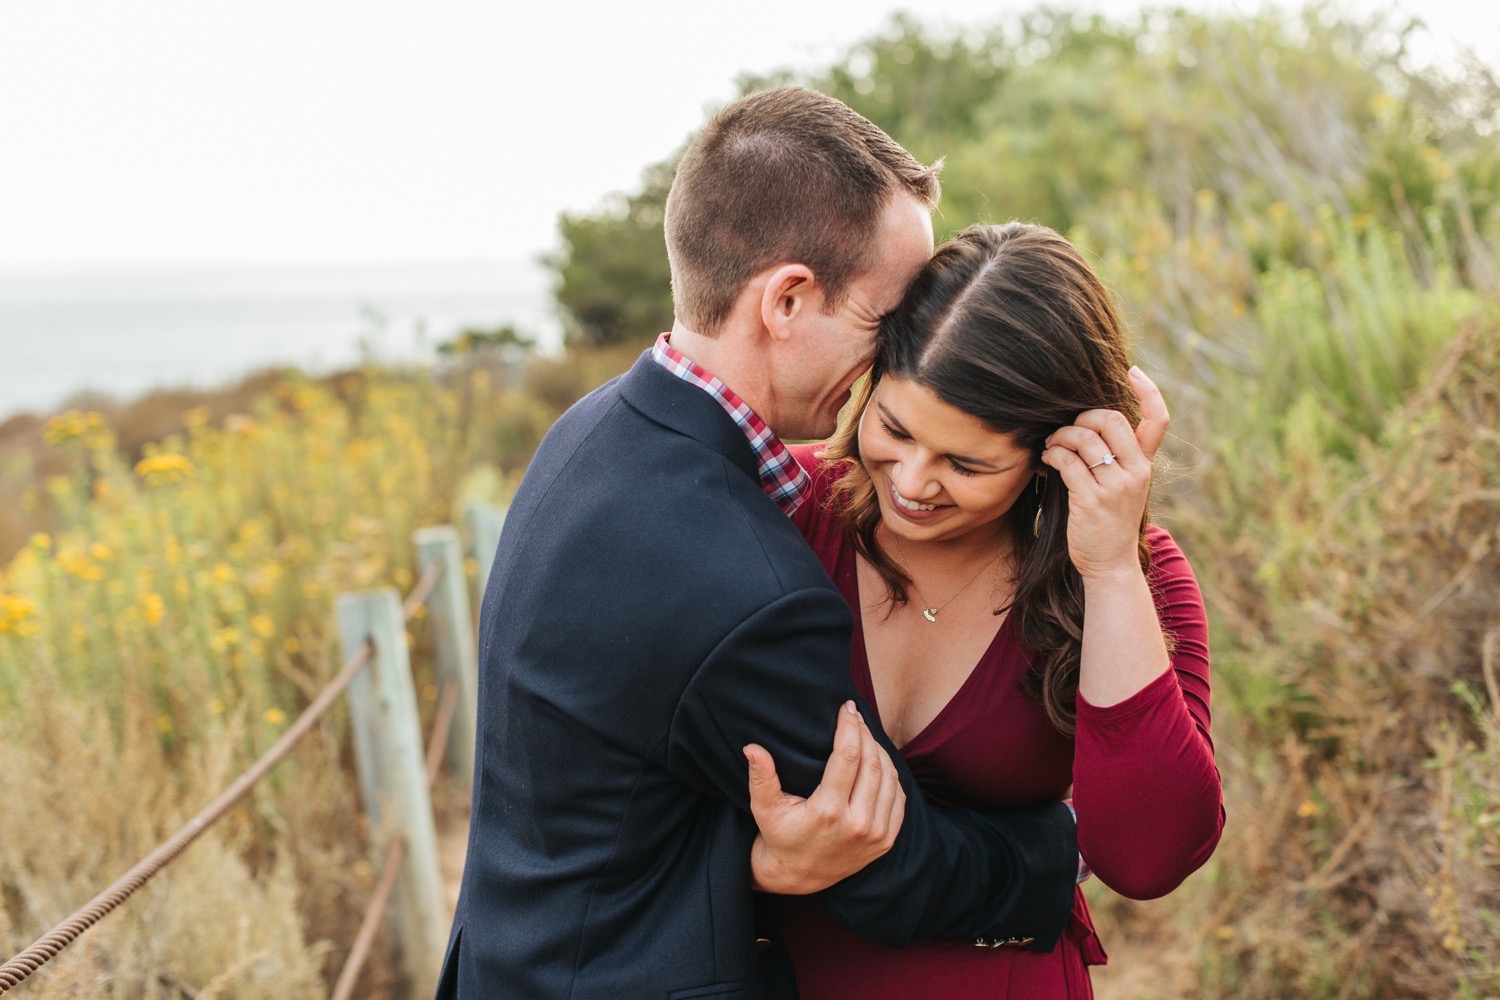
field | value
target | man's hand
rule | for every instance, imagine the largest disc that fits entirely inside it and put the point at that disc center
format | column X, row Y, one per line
column 850, row 819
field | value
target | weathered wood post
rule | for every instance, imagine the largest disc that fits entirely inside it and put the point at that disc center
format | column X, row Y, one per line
column 392, row 776
column 484, row 523
column 453, row 640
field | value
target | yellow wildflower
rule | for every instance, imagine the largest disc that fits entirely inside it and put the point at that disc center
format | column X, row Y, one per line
column 292, row 645
column 224, row 639
column 76, row 564
column 216, row 707
column 152, row 608
column 41, row 541
column 71, row 426
column 164, row 724
column 101, row 552
column 275, row 716
column 223, row 573
column 17, row 615
column 263, row 626
column 1308, row 809
column 164, row 469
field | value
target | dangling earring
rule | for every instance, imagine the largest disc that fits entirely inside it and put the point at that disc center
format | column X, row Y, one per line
column 1036, row 522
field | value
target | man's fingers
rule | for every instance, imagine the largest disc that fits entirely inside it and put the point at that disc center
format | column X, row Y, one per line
column 765, row 784
column 866, row 792
column 897, row 813
column 842, row 768
column 891, row 805
column 1152, row 429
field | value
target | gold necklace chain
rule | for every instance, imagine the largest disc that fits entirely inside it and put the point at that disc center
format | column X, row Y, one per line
column 928, row 611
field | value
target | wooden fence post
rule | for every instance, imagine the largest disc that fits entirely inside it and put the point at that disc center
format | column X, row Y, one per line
column 484, row 524
column 453, row 640
column 392, row 776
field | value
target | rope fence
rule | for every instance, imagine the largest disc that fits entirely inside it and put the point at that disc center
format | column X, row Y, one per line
column 438, row 550
column 386, row 884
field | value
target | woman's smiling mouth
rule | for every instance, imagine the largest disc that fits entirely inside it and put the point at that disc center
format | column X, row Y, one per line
column 912, row 508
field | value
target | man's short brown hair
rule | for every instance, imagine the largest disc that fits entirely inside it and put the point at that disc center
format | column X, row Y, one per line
column 781, row 176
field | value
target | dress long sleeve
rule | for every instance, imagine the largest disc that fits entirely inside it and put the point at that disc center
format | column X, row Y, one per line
column 1145, row 785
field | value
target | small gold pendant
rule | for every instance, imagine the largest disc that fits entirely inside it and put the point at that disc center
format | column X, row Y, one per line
column 930, row 614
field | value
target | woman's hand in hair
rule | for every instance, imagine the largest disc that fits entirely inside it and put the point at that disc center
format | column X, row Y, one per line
column 1106, row 502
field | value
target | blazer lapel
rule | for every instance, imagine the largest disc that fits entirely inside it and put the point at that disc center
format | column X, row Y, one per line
column 683, row 407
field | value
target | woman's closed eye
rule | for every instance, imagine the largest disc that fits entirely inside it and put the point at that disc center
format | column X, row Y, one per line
column 900, row 435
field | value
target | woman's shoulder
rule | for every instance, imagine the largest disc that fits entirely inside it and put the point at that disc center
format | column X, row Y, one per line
column 1179, row 601
column 1168, row 562
column 818, row 516
column 824, row 474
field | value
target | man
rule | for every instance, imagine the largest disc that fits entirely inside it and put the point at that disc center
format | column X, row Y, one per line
column 653, row 619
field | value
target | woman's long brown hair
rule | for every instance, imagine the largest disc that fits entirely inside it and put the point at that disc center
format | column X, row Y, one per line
column 1010, row 325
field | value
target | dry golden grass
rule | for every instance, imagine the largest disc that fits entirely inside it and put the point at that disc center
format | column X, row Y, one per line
column 1358, row 722
column 164, row 632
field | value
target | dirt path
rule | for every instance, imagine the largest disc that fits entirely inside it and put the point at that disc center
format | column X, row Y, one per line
column 452, row 844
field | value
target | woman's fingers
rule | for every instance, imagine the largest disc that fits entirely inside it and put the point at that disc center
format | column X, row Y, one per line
column 1152, row 429
column 1088, row 443
column 1076, row 475
column 1112, row 435
column 1116, row 436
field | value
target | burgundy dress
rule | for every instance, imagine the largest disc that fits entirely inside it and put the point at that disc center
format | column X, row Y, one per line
column 1142, row 772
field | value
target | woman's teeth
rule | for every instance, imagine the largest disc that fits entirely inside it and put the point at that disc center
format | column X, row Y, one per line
column 911, row 504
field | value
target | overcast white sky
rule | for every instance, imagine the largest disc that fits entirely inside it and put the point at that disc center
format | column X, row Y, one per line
column 284, row 131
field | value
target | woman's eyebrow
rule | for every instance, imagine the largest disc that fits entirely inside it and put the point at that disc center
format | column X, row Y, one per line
column 890, row 418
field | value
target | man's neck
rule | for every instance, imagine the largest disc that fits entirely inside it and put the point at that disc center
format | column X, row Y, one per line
column 729, row 357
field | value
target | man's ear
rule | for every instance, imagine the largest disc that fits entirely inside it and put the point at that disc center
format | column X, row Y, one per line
column 787, row 295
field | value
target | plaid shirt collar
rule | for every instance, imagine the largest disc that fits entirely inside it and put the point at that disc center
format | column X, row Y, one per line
column 781, row 477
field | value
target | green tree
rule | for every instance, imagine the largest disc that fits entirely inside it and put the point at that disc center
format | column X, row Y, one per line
column 612, row 280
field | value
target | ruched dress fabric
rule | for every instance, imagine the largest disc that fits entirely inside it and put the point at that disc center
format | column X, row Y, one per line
column 1142, row 775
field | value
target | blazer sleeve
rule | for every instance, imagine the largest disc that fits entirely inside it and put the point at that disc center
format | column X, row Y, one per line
column 778, row 679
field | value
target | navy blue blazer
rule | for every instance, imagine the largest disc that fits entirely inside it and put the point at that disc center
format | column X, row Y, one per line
column 650, row 612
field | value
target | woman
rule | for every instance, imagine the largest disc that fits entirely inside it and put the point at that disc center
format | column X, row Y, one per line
column 991, row 488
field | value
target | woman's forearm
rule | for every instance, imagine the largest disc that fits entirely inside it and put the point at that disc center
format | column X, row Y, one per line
column 1123, row 648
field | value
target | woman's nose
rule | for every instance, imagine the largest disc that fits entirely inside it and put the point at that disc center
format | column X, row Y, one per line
column 913, row 480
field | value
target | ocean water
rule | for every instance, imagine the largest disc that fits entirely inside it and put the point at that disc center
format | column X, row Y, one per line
column 126, row 331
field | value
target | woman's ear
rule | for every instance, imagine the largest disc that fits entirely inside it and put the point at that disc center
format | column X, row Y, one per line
column 785, row 298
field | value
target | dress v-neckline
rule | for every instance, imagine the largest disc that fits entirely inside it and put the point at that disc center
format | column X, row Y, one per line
column 860, row 659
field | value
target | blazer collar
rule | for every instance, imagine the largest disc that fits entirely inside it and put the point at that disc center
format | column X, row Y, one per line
column 686, row 409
